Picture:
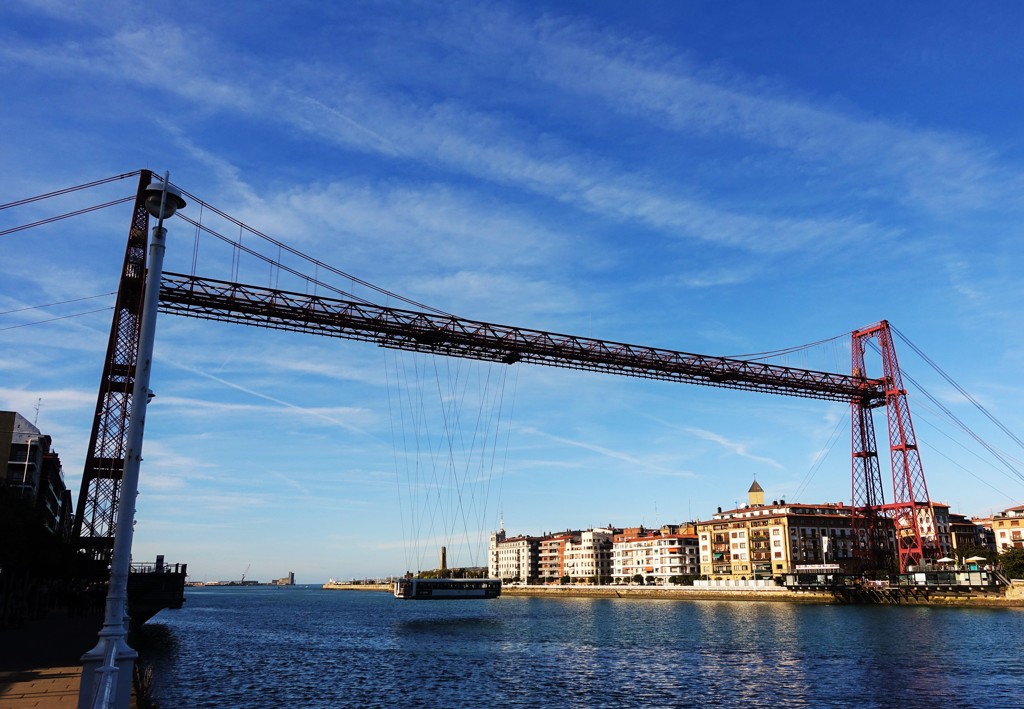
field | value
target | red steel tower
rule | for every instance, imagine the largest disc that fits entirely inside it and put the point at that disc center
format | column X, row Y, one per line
column 872, row 515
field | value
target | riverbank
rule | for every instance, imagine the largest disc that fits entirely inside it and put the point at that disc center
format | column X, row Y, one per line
column 1012, row 598
column 678, row 593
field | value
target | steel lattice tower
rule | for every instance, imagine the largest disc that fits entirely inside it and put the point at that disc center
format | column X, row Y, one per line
column 98, row 497
column 910, row 492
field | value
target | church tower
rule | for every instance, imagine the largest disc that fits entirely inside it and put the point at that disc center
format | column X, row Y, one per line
column 755, row 495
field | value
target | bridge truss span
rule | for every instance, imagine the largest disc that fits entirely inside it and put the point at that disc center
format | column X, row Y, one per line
column 444, row 334
column 224, row 301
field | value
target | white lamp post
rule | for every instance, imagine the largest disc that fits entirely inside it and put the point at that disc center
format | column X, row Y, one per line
column 107, row 668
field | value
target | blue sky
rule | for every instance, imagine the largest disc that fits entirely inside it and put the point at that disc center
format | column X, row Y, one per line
column 719, row 178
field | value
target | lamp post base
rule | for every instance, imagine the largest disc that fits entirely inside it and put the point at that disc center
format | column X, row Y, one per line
column 107, row 672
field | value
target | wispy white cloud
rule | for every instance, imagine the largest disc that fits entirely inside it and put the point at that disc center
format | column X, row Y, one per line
column 205, row 408
column 739, row 449
column 960, row 277
column 935, row 169
column 638, row 465
column 330, row 416
column 447, row 134
column 290, row 481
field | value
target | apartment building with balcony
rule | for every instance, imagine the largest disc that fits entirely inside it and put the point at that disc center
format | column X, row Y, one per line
column 551, row 552
column 656, row 555
column 761, row 540
column 33, row 472
column 968, row 533
column 514, row 559
column 1008, row 527
column 588, row 559
column 934, row 526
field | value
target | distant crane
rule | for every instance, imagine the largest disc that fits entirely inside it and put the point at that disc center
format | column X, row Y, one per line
column 242, row 582
column 225, row 301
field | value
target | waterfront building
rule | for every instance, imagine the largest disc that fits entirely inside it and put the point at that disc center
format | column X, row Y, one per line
column 551, row 551
column 968, row 533
column 656, row 555
column 761, row 540
column 1008, row 526
column 933, row 524
column 588, row 557
column 513, row 559
column 988, row 535
column 33, row 471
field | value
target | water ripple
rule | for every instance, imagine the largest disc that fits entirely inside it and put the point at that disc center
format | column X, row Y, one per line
column 304, row 647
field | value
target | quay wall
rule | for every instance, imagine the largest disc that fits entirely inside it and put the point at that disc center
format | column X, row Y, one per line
column 679, row 593
column 1016, row 590
column 1012, row 598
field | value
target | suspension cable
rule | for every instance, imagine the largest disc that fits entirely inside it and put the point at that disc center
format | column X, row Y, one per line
column 820, row 461
column 75, row 213
column 316, row 262
column 968, row 451
column 62, row 302
column 959, row 388
column 753, row 357
column 68, row 190
column 238, row 246
column 950, row 415
column 63, row 317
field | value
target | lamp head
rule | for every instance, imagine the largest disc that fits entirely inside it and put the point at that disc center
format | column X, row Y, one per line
column 154, row 193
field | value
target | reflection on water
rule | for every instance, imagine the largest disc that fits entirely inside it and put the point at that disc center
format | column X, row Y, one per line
column 307, row 647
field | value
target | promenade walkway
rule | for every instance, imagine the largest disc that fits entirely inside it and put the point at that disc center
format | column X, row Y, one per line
column 40, row 663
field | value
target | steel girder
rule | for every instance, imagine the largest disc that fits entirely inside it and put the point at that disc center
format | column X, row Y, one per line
column 224, row 301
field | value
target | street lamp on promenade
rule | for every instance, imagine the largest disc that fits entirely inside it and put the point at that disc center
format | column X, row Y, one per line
column 107, row 668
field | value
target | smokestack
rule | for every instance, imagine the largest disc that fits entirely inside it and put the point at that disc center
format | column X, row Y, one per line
column 444, row 559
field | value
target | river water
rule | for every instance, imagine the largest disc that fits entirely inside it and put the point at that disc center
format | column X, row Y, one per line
column 306, row 647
